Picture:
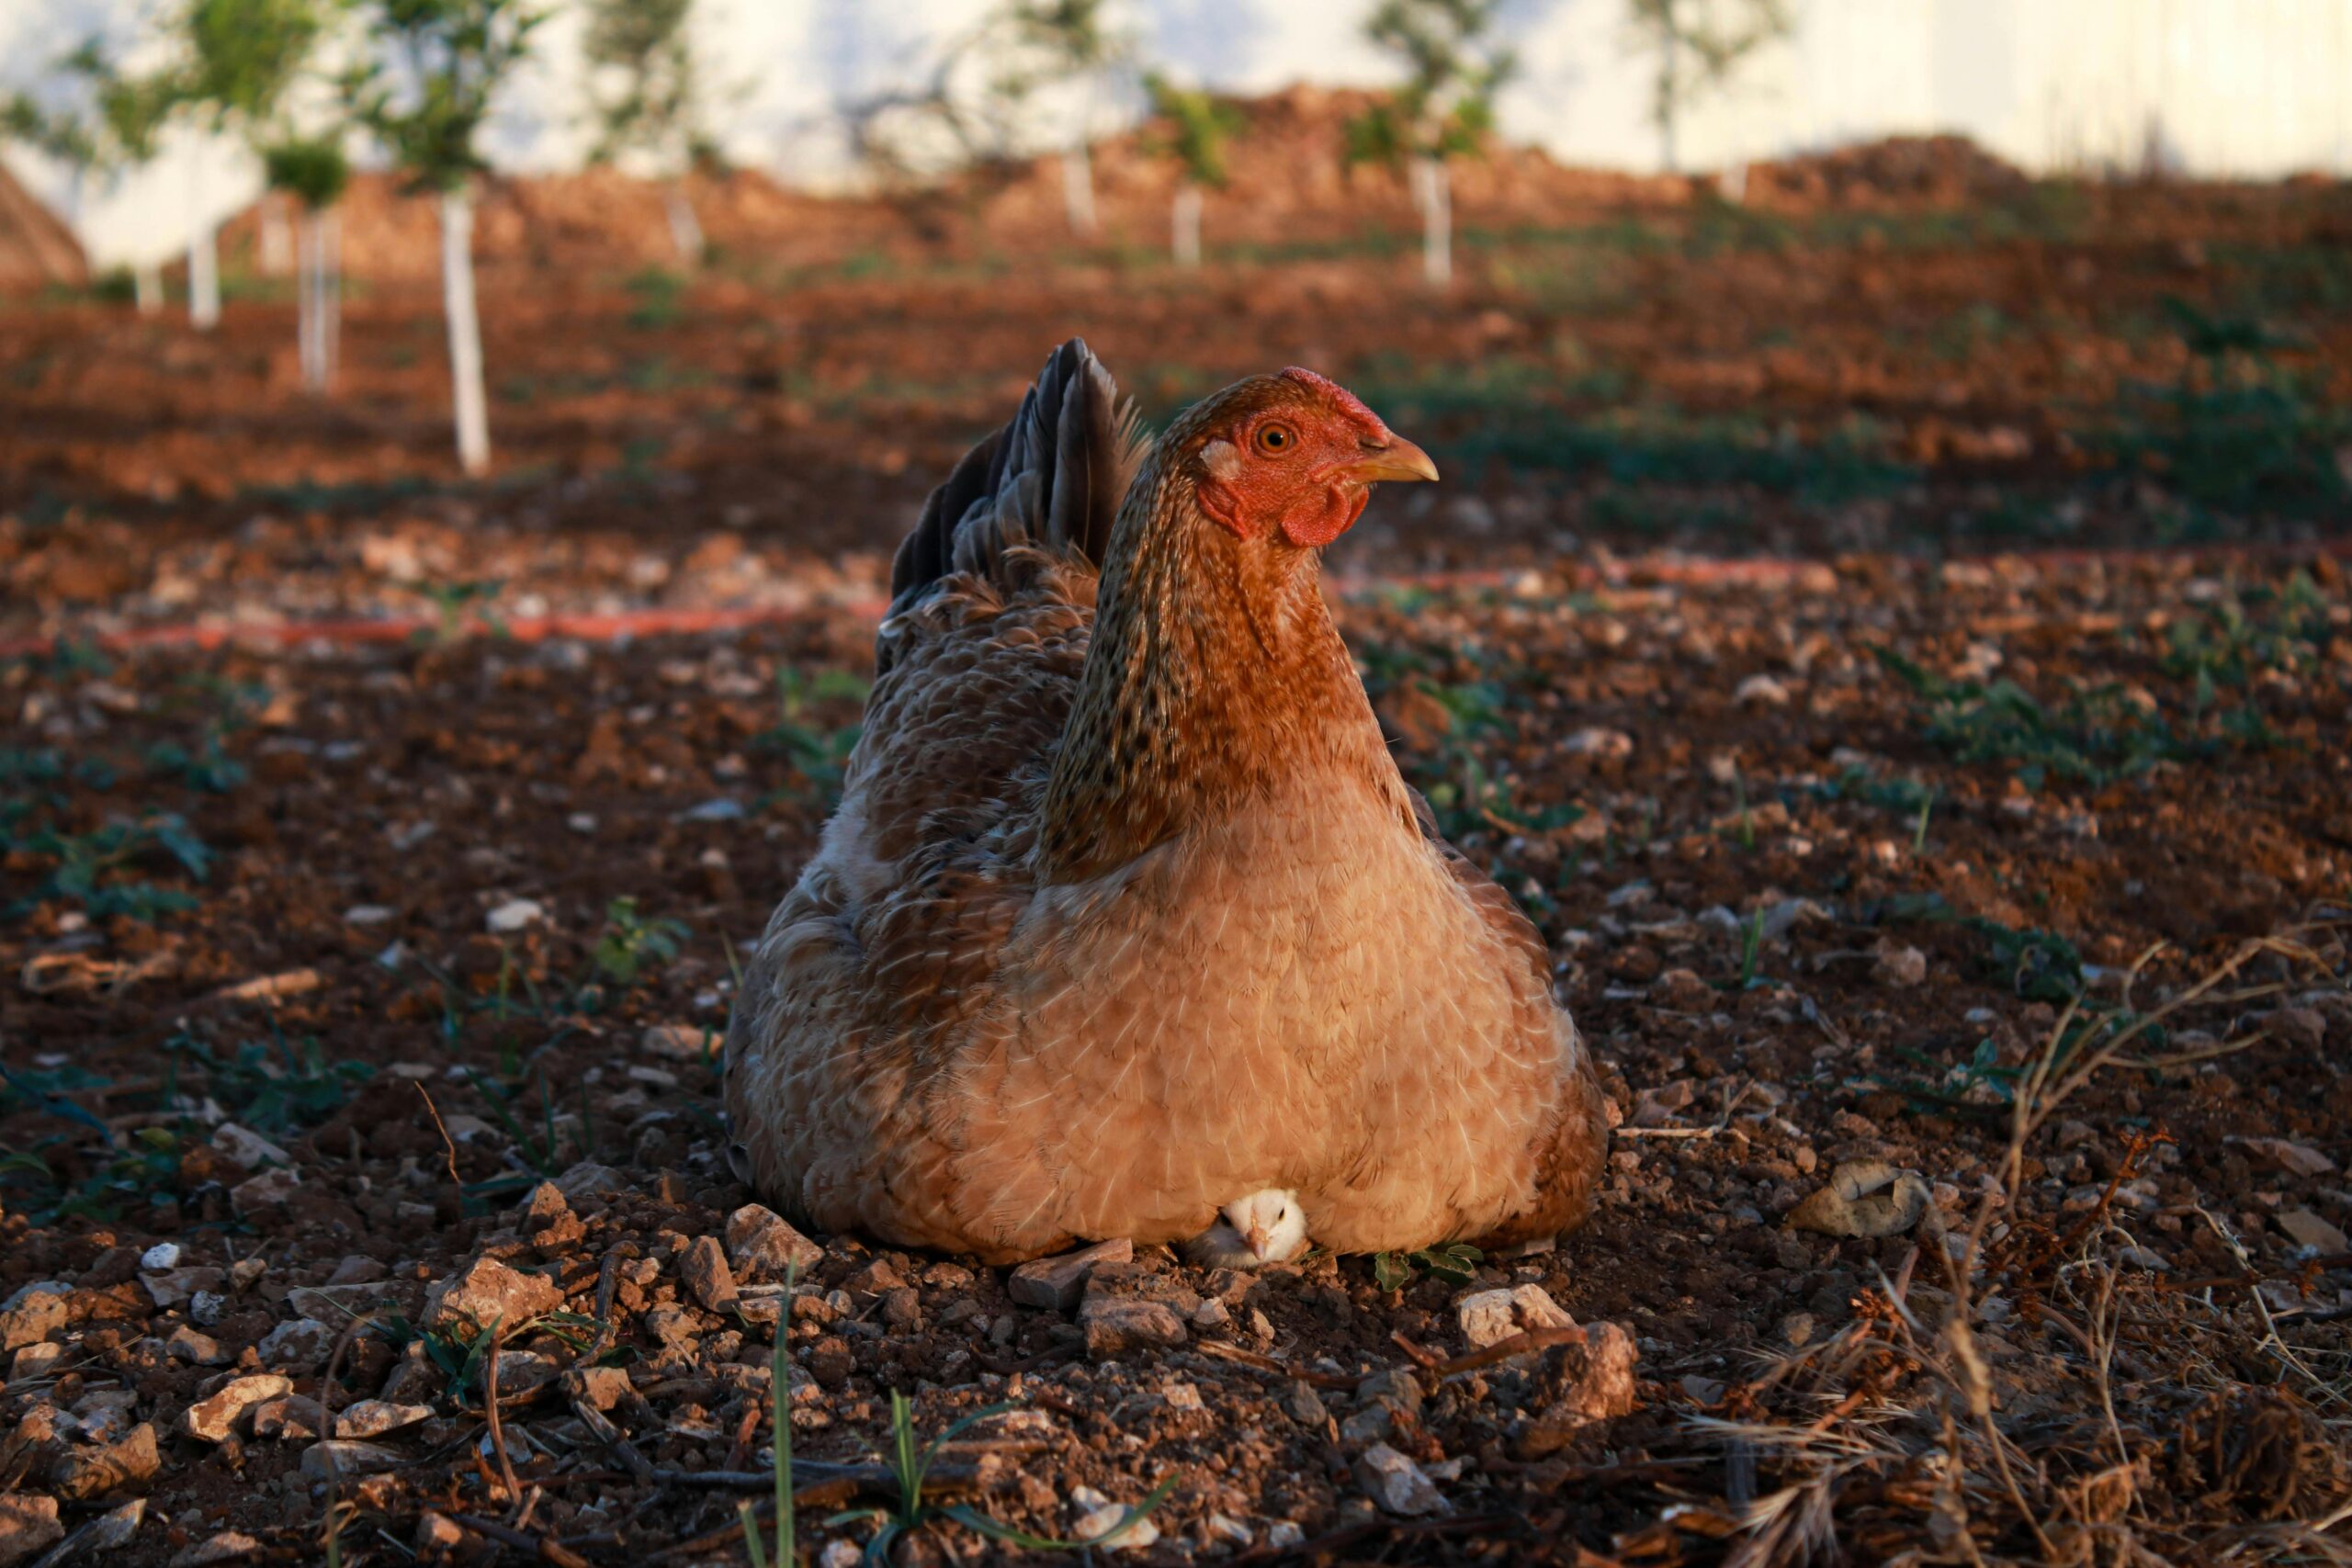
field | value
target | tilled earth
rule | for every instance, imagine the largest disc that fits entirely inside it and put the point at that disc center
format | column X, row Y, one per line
column 362, row 999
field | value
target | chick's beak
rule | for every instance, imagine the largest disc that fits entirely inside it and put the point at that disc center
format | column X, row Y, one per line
column 1393, row 458
column 1259, row 1242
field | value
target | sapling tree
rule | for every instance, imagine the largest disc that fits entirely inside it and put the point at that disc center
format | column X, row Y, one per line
column 1069, row 41
column 424, row 92
column 313, row 172
column 1700, row 45
column 1443, row 112
column 1196, row 127
column 243, row 56
column 646, row 95
column 115, row 130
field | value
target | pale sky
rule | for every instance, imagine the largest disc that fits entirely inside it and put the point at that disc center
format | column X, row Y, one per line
column 2254, row 88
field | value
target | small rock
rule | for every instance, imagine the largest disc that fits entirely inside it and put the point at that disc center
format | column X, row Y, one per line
column 1864, row 1198
column 1489, row 1317
column 293, row 1420
column 160, row 1258
column 1116, row 1325
column 349, row 1459
column 375, row 1417
column 198, row 1349
column 548, row 1218
column 840, row 1553
column 27, row 1524
column 1304, row 1405
column 220, row 1547
column 704, row 1268
column 1183, row 1396
column 299, row 1343
column 761, row 1246
column 1226, row 1530
column 1601, row 745
column 587, row 1178
column 109, row 1533
column 2304, row 1028
column 214, row 1419
column 679, row 1041
column 437, row 1532
column 1283, row 1534
column 1056, row 1283
column 514, row 915
column 1797, row 1330
column 2310, row 1230
column 489, row 1294
column 1395, row 1482
column 1897, row 965
column 247, row 1148
column 35, row 1361
column 86, row 1476
column 32, row 1320
column 599, row 1388
column 902, row 1308
column 1211, row 1313
column 1575, row 1385
column 1101, row 1527
column 1762, row 691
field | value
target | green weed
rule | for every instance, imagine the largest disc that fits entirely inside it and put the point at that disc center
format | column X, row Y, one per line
column 1456, row 1263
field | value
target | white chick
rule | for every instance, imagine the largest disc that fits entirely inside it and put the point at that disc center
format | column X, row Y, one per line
column 1264, row 1227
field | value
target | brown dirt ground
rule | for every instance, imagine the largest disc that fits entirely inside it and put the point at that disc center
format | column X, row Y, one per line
column 256, row 884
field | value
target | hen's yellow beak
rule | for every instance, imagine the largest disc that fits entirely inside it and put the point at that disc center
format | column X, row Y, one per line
column 1394, row 459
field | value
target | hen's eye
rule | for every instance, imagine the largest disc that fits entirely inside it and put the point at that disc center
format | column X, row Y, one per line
column 1276, row 438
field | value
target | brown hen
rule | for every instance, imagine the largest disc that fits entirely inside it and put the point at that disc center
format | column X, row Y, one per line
column 1126, row 911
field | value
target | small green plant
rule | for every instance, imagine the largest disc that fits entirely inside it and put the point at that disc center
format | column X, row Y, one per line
column 274, row 1088
column 659, row 298
column 1751, row 952
column 2097, row 736
column 455, row 605
column 89, row 866
column 549, row 1150
column 911, row 1463
column 462, row 1349
column 787, row 1555
column 1455, row 1262
column 632, row 946
column 820, row 754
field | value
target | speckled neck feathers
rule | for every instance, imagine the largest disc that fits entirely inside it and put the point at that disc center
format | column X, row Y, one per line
column 1215, row 681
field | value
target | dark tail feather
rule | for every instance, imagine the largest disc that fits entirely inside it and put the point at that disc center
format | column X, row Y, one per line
column 1053, row 476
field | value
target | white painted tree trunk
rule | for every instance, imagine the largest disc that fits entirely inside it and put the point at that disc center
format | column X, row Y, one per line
column 203, row 258
column 276, row 251
column 147, row 287
column 1184, row 225
column 330, row 225
column 1078, row 189
column 465, row 331
column 1433, row 193
column 686, row 229
column 316, row 286
column 306, row 298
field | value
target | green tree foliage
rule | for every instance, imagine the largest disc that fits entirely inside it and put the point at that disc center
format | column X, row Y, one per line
column 312, row 169
column 642, row 48
column 1700, row 45
column 1446, row 106
column 439, row 65
column 1444, row 109
column 1194, row 128
column 243, row 56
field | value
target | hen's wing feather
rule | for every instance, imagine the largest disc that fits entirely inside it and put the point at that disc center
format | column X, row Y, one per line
column 1570, row 1152
column 1052, row 479
column 891, row 939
